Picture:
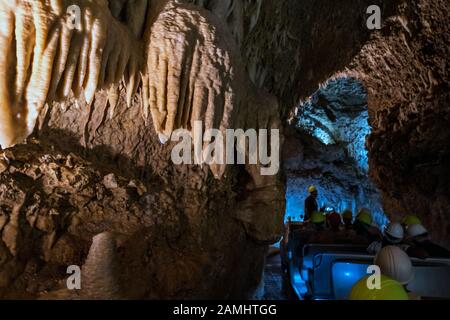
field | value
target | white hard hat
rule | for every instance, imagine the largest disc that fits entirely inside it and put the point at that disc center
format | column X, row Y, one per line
column 395, row 232
column 395, row 263
column 415, row 230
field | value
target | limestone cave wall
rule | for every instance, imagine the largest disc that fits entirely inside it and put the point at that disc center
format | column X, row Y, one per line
column 199, row 232
column 297, row 45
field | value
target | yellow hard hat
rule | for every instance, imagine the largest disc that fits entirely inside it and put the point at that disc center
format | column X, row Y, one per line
column 312, row 189
column 410, row 220
column 364, row 216
column 317, row 217
column 390, row 290
column 347, row 214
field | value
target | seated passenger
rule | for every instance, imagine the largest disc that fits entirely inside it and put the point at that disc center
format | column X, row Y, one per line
column 347, row 216
column 395, row 263
column 363, row 226
column 334, row 221
column 393, row 235
column 332, row 235
column 389, row 290
column 318, row 220
column 321, row 234
column 409, row 220
column 420, row 245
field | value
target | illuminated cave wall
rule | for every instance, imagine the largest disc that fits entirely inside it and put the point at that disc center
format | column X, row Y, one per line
column 337, row 114
column 325, row 146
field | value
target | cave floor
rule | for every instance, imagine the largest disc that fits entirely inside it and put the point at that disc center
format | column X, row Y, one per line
column 273, row 279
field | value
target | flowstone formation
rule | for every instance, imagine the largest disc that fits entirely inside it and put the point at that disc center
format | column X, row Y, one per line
column 114, row 122
column 179, row 65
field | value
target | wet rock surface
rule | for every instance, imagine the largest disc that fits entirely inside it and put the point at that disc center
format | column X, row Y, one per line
column 180, row 233
column 181, row 230
column 340, row 183
column 54, row 203
column 325, row 147
column 405, row 70
column 294, row 46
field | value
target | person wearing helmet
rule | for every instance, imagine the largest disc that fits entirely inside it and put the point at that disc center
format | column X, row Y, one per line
column 321, row 234
column 393, row 236
column 390, row 290
column 363, row 226
column 349, row 235
column 331, row 234
column 318, row 219
column 347, row 217
column 395, row 263
column 334, row 221
column 311, row 204
column 420, row 245
column 364, row 216
column 410, row 220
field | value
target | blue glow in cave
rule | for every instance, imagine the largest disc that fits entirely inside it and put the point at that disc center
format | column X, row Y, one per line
column 322, row 136
column 337, row 115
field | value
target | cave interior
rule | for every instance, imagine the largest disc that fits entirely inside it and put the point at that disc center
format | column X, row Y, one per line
column 92, row 205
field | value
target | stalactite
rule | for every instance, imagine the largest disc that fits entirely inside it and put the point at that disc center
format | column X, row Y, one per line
column 45, row 58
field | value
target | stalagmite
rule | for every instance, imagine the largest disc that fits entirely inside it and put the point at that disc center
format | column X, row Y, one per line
column 100, row 271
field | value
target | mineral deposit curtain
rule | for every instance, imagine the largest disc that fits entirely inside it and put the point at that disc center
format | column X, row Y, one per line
column 169, row 223
column 190, row 70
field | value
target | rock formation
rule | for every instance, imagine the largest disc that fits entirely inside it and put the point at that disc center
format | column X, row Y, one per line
column 405, row 70
column 298, row 45
column 217, row 212
column 325, row 147
column 94, row 162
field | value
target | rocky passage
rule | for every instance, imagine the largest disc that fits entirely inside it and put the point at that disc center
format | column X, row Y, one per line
column 55, row 203
column 406, row 72
column 325, row 147
column 297, row 45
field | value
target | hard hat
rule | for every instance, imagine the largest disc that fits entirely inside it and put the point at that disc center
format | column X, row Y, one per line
column 394, row 232
column 317, row 217
column 364, row 216
column 416, row 230
column 395, row 263
column 347, row 214
column 364, row 210
column 410, row 220
column 390, row 290
column 334, row 219
column 312, row 189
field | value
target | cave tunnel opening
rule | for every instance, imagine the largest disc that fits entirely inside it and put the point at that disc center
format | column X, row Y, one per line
column 325, row 147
